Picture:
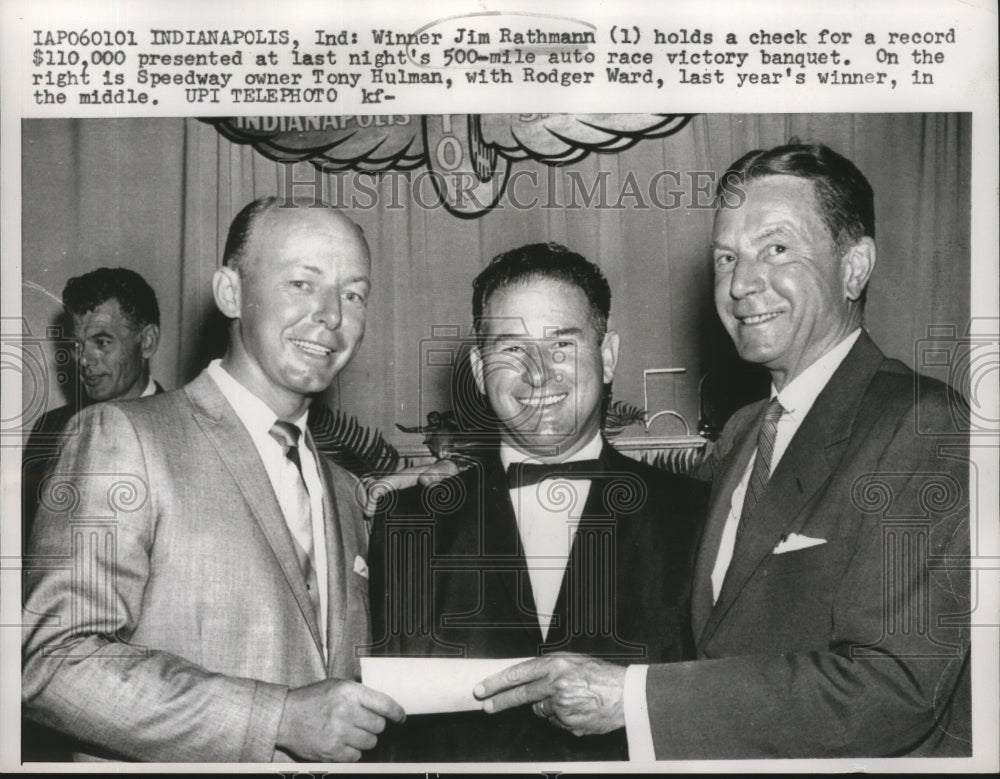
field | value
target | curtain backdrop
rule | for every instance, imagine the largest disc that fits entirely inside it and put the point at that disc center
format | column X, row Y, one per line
column 157, row 196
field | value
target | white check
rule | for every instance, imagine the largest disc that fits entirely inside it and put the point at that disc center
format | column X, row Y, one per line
column 431, row 685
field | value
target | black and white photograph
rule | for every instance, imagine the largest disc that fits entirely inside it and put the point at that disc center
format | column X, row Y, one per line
column 581, row 440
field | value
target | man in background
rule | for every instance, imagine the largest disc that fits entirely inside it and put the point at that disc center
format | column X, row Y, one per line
column 831, row 592
column 116, row 328
column 552, row 540
column 214, row 594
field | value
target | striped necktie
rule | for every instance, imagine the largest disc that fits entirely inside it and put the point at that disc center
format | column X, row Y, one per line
column 300, row 524
column 762, row 465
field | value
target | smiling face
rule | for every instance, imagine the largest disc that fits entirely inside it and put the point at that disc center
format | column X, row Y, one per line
column 782, row 291
column 113, row 352
column 543, row 365
column 299, row 306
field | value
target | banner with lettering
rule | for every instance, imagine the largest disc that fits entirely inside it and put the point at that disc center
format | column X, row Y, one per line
column 468, row 157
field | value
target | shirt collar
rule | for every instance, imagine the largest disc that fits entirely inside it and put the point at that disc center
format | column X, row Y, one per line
column 253, row 412
column 509, row 455
column 798, row 396
column 150, row 388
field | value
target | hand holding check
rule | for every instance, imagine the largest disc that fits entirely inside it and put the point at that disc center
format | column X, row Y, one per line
column 574, row 692
column 334, row 720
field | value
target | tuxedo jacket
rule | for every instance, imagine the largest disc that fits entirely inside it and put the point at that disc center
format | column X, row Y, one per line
column 166, row 614
column 449, row 578
column 857, row 646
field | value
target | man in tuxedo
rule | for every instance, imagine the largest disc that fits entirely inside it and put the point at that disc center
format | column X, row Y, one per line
column 116, row 327
column 196, row 585
column 831, row 593
column 552, row 540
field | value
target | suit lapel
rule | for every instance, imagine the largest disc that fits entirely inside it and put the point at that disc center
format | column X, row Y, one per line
column 237, row 451
column 578, row 573
column 726, row 479
column 805, row 466
column 336, row 563
column 501, row 538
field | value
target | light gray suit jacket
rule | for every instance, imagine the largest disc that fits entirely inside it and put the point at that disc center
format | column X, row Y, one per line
column 166, row 615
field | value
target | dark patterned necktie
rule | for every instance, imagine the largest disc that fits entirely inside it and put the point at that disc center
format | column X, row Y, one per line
column 300, row 524
column 762, row 465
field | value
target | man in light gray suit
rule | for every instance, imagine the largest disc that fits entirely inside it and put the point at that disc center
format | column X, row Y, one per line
column 196, row 586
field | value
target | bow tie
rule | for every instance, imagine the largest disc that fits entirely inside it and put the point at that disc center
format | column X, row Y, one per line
column 527, row 474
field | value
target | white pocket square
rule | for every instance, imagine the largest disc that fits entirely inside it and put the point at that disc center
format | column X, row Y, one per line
column 794, row 542
column 360, row 566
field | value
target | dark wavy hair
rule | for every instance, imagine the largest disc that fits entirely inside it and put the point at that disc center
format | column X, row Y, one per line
column 546, row 261
column 135, row 297
column 846, row 200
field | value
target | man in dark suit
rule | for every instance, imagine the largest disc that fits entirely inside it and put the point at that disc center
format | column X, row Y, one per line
column 196, row 585
column 116, row 326
column 831, row 592
column 552, row 541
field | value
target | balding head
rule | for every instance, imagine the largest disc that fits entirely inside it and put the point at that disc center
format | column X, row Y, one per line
column 271, row 209
column 295, row 286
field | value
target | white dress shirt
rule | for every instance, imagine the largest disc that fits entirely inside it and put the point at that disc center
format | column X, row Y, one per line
column 796, row 398
column 150, row 389
column 257, row 417
column 547, row 517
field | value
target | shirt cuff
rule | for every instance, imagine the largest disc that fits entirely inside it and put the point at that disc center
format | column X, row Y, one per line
column 637, row 730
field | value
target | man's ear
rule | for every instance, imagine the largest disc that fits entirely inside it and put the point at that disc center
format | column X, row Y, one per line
column 149, row 340
column 609, row 355
column 227, row 289
column 859, row 262
column 476, row 360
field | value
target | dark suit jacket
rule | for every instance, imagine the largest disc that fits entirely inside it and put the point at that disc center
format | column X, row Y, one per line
column 464, row 591
column 855, row 647
column 166, row 614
